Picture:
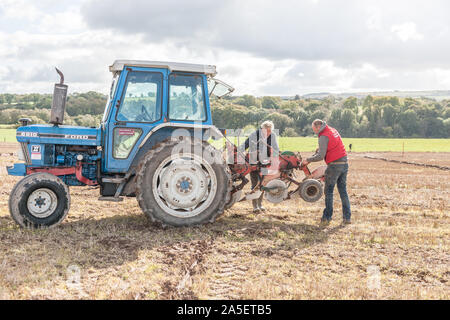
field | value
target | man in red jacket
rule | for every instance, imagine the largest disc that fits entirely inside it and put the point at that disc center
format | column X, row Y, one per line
column 332, row 149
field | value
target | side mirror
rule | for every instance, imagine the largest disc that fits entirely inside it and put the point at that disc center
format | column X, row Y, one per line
column 219, row 88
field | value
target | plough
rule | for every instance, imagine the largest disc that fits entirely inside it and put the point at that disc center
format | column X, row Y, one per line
column 275, row 178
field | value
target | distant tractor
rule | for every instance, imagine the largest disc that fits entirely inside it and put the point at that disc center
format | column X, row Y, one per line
column 152, row 144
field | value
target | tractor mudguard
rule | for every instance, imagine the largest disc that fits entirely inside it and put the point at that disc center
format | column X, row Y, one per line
column 156, row 138
column 162, row 135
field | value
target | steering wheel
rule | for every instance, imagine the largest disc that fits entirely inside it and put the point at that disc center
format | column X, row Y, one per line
column 145, row 115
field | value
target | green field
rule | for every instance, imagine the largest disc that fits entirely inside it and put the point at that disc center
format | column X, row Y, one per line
column 371, row 144
column 309, row 144
column 7, row 135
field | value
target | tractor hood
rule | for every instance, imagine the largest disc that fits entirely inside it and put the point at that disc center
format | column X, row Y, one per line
column 45, row 133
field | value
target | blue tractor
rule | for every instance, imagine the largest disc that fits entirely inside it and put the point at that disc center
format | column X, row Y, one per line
column 151, row 144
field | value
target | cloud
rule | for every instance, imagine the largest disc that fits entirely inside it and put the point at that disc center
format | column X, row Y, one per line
column 407, row 31
column 260, row 47
column 346, row 32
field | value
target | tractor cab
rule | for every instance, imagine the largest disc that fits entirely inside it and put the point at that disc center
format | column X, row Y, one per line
column 147, row 96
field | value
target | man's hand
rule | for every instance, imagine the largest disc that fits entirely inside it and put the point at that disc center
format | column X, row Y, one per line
column 305, row 163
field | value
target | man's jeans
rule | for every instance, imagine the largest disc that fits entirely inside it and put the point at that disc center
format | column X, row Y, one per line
column 336, row 173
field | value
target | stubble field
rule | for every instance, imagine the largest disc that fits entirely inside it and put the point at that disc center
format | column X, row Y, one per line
column 396, row 248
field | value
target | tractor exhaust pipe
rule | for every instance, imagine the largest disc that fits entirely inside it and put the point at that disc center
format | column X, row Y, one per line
column 59, row 101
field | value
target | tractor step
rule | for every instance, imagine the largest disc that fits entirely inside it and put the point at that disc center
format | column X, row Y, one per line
column 113, row 180
column 114, row 199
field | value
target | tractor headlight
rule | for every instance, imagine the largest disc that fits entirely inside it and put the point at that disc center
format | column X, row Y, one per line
column 23, row 154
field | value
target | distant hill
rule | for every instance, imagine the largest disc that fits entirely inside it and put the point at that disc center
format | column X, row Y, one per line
column 433, row 94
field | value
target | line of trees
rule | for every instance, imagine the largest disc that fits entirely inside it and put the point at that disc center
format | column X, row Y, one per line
column 371, row 117
column 377, row 117
column 83, row 109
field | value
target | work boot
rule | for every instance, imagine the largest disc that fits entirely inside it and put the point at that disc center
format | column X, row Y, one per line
column 346, row 221
column 256, row 206
column 259, row 203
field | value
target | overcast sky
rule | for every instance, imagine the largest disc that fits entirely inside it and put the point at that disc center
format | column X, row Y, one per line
column 259, row 47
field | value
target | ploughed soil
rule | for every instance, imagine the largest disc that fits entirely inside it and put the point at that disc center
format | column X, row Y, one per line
column 397, row 246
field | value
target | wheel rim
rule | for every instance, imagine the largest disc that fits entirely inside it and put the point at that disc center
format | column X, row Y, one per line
column 184, row 185
column 42, row 203
column 312, row 191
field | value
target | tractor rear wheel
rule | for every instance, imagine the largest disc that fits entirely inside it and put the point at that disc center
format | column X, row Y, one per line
column 39, row 200
column 182, row 183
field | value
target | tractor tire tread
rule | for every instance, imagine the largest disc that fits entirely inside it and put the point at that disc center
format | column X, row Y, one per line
column 141, row 170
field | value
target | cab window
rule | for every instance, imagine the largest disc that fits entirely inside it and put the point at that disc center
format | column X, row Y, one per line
column 141, row 101
column 186, row 97
column 124, row 140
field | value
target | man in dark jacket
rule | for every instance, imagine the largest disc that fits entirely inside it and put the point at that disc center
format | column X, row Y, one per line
column 262, row 145
column 332, row 150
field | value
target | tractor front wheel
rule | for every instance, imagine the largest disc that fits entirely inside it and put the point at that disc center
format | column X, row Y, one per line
column 39, row 200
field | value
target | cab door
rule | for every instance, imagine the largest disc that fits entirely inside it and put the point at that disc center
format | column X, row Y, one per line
column 140, row 105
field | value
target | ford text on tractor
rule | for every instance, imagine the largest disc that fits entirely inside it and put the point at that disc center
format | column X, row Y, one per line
column 152, row 144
